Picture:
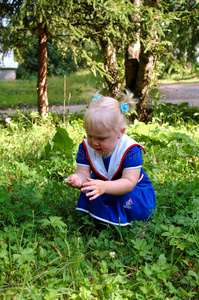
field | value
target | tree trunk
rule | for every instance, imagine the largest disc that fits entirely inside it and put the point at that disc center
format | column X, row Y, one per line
column 144, row 73
column 42, row 73
column 138, row 67
column 132, row 65
column 142, row 82
column 132, row 55
column 145, row 70
column 111, row 67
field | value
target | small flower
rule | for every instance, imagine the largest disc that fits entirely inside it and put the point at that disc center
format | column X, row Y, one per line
column 124, row 107
column 96, row 97
column 112, row 254
column 7, row 120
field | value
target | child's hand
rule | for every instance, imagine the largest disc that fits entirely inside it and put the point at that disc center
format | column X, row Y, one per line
column 74, row 181
column 95, row 188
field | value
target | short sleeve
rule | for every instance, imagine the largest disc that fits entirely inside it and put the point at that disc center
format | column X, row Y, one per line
column 81, row 158
column 133, row 158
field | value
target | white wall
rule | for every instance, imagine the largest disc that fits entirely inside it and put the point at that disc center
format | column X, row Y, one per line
column 8, row 66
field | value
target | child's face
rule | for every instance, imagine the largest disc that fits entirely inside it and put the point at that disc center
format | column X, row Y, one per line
column 104, row 141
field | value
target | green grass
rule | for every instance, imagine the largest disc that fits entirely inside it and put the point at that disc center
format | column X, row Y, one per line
column 81, row 85
column 188, row 77
column 50, row 251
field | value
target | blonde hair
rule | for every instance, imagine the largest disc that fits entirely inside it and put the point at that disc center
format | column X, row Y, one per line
column 106, row 111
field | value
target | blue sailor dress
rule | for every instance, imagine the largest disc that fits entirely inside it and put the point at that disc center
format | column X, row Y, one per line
column 139, row 204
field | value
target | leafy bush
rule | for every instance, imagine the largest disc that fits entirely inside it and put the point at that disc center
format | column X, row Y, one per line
column 176, row 113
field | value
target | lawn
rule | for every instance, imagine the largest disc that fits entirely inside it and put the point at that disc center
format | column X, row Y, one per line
column 48, row 250
column 187, row 77
column 81, row 85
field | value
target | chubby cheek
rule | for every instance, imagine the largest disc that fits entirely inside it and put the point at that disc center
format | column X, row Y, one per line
column 91, row 143
column 104, row 146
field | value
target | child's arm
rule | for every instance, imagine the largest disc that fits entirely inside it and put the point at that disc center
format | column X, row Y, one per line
column 120, row 186
column 81, row 174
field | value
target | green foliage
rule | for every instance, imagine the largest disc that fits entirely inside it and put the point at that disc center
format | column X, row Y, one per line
column 169, row 29
column 53, row 221
column 182, row 33
column 48, row 250
column 58, row 65
column 61, row 141
column 176, row 113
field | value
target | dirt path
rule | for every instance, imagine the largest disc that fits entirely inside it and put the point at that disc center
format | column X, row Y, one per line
column 58, row 109
column 180, row 92
column 172, row 92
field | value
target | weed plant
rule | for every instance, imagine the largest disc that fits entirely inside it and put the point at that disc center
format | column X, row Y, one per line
column 48, row 250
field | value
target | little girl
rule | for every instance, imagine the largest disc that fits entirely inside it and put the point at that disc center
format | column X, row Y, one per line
column 114, row 186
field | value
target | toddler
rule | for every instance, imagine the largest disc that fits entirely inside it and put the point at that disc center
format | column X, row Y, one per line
column 114, row 186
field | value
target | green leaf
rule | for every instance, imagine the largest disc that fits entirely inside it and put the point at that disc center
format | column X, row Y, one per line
column 184, row 292
column 62, row 140
column 26, row 255
column 164, row 227
column 192, row 273
column 171, row 287
column 141, row 246
column 52, row 295
column 171, row 136
column 56, row 221
column 53, row 221
column 162, row 260
column 146, row 129
column 48, row 148
column 148, row 270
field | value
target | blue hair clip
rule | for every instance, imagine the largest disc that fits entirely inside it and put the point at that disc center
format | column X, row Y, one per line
column 124, row 107
column 96, row 97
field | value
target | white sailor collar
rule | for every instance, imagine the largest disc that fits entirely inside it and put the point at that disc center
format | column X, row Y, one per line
column 116, row 160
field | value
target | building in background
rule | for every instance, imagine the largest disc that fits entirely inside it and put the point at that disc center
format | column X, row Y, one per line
column 8, row 66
